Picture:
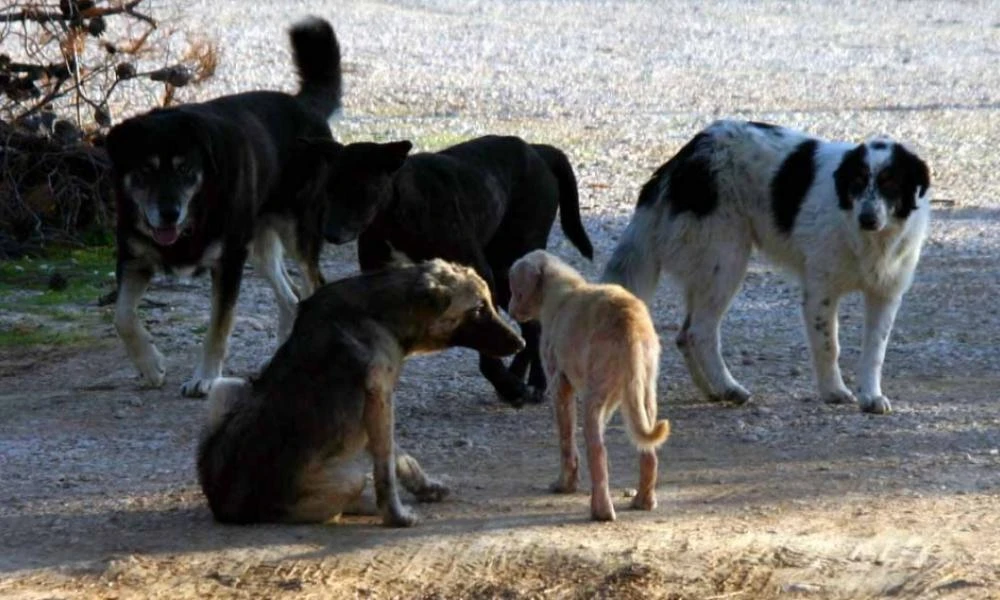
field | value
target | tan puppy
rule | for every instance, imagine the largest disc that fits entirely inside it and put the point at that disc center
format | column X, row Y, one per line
column 597, row 340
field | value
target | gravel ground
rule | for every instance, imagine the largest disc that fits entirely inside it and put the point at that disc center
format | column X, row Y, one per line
column 784, row 498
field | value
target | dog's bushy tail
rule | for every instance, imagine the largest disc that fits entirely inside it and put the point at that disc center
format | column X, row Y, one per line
column 317, row 59
column 569, row 198
column 635, row 263
column 639, row 405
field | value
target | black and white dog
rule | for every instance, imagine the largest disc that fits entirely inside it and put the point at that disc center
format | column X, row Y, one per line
column 203, row 185
column 843, row 217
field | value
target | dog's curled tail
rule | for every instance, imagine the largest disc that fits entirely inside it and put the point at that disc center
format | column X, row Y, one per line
column 639, row 405
column 317, row 59
column 569, row 198
column 635, row 263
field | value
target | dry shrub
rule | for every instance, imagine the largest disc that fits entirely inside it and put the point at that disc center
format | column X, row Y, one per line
column 67, row 68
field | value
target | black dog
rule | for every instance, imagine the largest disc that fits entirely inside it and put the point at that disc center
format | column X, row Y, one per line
column 292, row 445
column 197, row 183
column 484, row 203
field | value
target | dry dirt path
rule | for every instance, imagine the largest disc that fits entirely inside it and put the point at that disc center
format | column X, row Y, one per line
column 783, row 498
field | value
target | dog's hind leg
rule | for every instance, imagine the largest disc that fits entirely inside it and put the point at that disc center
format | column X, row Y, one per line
column 328, row 489
column 710, row 286
column 564, row 408
column 414, row 479
column 880, row 313
column 132, row 283
column 595, row 417
column 268, row 258
column 694, row 369
column 226, row 278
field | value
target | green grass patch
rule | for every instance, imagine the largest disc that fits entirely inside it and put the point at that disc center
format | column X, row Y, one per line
column 14, row 338
column 53, row 299
column 85, row 274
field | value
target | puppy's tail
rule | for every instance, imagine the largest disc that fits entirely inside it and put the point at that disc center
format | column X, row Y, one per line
column 639, row 405
column 569, row 198
column 635, row 264
column 317, row 59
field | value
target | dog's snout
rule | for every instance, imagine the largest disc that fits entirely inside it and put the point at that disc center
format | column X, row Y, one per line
column 169, row 215
column 338, row 234
column 868, row 221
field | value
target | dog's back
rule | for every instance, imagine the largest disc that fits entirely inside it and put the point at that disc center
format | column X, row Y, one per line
column 265, row 441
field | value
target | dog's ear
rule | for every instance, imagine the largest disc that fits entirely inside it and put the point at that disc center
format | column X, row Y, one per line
column 122, row 140
column 914, row 174
column 527, row 276
column 432, row 296
column 851, row 176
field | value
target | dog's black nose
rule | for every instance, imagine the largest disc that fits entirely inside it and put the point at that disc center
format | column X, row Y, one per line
column 169, row 214
column 868, row 221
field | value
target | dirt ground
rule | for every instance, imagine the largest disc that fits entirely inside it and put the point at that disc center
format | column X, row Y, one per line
column 785, row 497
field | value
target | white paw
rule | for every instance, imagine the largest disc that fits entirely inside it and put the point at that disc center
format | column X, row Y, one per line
column 400, row 516
column 150, row 366
column 197, row 387
column 433, row 491
column 876, row 405
column 735, row 395
column 839, row 397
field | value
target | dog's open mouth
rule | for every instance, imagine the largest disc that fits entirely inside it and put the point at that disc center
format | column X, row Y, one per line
column 166, row 236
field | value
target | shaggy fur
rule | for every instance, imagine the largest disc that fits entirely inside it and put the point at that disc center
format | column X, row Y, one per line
column 842, row 217
column 201, row 186
column 483, row 203
column 293, row 444
column 599, row 341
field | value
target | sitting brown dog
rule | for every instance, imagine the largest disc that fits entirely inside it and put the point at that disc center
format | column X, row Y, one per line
column 598, row 340
column 293, row 445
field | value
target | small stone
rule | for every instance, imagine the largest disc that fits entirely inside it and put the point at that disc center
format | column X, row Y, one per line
column 630, row 493
column 58, row 282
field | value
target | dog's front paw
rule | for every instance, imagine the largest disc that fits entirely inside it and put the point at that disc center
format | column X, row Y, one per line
column 736, row 396
column 400, row 516
column 151, row 367
column 534, row 395
column 839, row 397
column 196, row 387
column 876, row 405
column 433, row 491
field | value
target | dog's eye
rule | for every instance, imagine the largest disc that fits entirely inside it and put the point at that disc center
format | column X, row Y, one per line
column 887, row 184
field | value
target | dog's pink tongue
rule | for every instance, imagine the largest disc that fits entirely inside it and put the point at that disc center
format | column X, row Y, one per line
column 165, row 236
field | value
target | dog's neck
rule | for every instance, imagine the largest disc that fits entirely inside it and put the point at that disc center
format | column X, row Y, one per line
column 556, row 288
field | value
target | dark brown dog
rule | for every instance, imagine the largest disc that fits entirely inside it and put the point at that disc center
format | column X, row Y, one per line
column 291, row 445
